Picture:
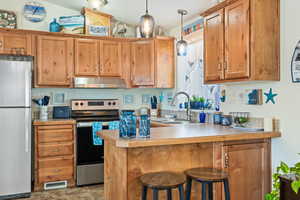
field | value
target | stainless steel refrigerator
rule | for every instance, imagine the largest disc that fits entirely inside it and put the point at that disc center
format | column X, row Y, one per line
column 15, row 126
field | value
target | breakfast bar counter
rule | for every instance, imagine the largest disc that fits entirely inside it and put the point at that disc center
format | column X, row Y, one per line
column 246, row 156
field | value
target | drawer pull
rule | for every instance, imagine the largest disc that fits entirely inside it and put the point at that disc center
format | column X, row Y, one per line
column 57, row 170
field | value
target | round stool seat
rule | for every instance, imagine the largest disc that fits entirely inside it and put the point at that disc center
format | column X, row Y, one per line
column 206, row 174
column 162, row 180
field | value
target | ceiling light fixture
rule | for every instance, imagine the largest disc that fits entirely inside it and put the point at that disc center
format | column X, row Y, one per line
column 147, row 24
column 97, row 4
column 182, row 44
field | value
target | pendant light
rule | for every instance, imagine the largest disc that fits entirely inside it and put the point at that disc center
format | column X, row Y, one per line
column 181, row 44
column 147, row 24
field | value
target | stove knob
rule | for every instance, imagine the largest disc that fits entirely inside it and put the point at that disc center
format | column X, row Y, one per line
column 114, row 103
column 81, row 104
column 76, row 104
column 109, row 103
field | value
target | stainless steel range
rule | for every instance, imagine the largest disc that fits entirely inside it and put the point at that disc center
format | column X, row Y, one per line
column 90, row 158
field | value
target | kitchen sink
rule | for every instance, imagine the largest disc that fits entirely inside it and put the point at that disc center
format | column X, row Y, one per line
column 171, row 121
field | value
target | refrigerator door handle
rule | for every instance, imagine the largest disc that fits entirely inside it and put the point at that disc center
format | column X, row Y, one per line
column 27, row 129
column 28, row 87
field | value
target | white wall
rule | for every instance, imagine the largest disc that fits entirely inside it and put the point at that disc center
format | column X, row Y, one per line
column 287, row 103
column 53, row 11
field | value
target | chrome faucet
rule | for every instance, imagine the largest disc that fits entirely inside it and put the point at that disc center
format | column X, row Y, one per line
column 188, row 109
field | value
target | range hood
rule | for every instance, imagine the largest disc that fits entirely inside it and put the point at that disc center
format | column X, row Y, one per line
column 101, row 82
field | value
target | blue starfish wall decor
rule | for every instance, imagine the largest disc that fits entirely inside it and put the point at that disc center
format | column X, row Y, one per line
column 270, row 96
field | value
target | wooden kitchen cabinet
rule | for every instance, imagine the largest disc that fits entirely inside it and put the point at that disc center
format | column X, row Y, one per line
column 164, row 63
column 214, row 46
column 54, row 153
column 143, row 64
column 126, row 63
column 87, row 57
column 241, row 41
column 110, row 58
column 248, row 166
column 54, row 61
column 15, row 43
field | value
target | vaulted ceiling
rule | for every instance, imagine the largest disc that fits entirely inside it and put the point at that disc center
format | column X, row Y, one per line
column 129, row 11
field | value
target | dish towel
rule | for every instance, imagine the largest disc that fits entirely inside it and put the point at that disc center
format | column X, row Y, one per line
column 97, row 126
column 113, row 125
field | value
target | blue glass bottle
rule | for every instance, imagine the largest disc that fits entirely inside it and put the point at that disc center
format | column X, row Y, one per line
column 54, row 26
column 127, row 124
column 144, row 128
column 202, row 117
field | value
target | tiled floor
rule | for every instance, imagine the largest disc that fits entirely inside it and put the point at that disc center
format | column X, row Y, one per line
column 80, row 193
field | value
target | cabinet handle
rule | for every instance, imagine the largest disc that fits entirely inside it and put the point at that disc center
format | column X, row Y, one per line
column 226, row 160
column 1, row 44
column 220, row 66
column 225, row 65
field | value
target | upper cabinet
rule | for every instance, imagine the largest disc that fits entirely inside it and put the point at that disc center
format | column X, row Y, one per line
column 15, row 43
column 237, row 50
column 87, row 57
column 110, row 58
column 54, row 61
column 214, row 46
column 164, row 63
column 143, row 66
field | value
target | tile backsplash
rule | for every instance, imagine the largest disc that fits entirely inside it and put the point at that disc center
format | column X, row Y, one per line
column 129, row 98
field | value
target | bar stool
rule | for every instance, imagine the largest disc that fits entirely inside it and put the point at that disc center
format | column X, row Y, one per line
column 206, row 176
column 162, row 181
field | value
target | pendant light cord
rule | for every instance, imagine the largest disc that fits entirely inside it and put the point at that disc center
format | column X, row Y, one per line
column 181, row 26
column 146, row 6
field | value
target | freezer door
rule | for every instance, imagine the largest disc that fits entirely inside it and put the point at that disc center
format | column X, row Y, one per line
column 15, row 83
column 15, row 151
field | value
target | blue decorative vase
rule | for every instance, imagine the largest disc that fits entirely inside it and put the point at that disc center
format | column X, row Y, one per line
column 54, row 26
column 144, row 128
column 127, row 124
column 202, row 117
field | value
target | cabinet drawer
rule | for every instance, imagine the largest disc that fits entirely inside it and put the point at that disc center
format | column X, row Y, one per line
column 55, row 169
column 55, row 135
column 62, row 149
column 55, row 127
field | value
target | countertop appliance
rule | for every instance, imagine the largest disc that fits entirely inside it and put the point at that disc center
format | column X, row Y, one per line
column 90, row 158
column 15, row 123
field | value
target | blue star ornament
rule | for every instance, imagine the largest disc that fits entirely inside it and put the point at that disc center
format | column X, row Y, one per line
column 270, row 96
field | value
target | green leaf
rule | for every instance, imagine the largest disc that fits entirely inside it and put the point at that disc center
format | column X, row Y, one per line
column 296, row 186
column 284, row 168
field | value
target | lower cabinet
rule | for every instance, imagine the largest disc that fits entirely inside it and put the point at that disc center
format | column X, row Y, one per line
column 54, row 153
column 249, row 170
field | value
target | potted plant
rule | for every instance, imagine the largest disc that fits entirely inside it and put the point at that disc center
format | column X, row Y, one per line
column 282, row 170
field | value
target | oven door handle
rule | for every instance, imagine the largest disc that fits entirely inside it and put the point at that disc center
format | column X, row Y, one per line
column 89, row 124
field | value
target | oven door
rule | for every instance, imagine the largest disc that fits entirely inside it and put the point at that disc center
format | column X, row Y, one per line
column 87, row 152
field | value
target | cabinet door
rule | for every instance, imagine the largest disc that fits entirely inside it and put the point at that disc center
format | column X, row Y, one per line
column 165, row 67
column 14, row 43
column 237, row 43
column 86, row 57
column 249, row 170
column 143, row 68
column 126, row 63
column 110, row 59
column 214, row 46
column 54, row 61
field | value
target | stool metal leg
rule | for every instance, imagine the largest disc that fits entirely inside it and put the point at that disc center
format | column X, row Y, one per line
column 210, row 191
column 204, row 190
column 169, row 194
column 226, row 189
column 144, row 193
column 181, row 194
column 188, row 189
column 155, row 194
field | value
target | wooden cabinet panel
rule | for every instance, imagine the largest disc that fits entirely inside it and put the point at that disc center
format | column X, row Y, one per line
column 110, row 54
column 237, row 56
column 249, row 170
column 56, row 135
column 55, row 149
column 86, row 57
column 55, row 169
column 214, row 46
column 143, row 67
column 13, row 43
column 126, row 63
column 165, row 63
column 55, row 61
